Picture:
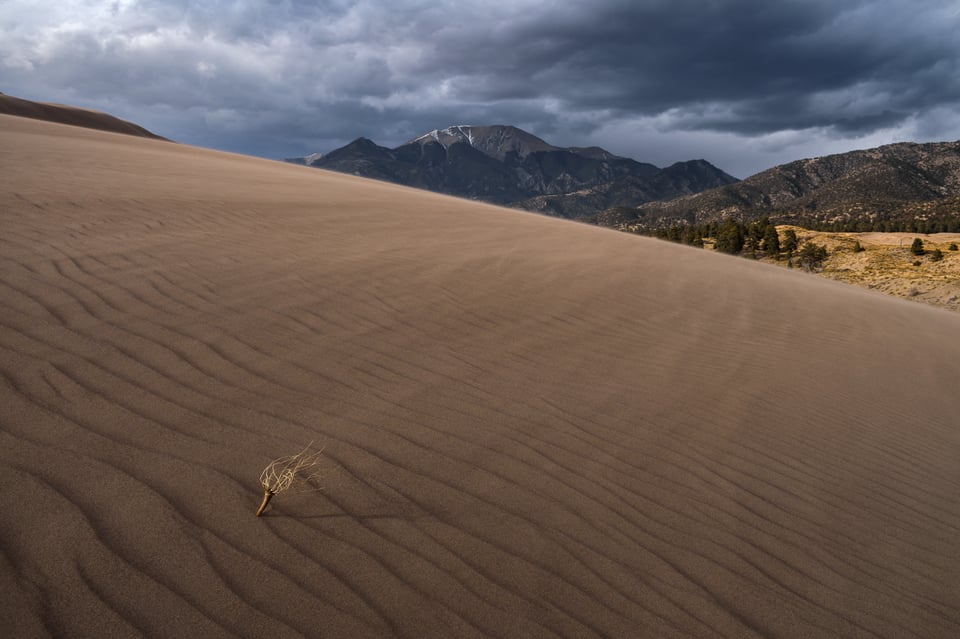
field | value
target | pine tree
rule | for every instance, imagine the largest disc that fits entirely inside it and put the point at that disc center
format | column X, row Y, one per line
column 771, row 241
column 790, row 241
column 730, row 238
column 812, row 256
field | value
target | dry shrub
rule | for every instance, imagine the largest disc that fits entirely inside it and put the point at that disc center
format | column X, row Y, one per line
column 281, row 474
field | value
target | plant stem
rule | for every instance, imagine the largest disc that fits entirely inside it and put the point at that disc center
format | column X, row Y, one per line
column 266, row 499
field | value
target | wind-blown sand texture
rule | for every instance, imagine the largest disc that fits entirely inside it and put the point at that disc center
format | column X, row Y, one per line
column 533, row 428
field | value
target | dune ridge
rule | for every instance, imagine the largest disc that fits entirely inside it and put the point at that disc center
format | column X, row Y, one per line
column 532, row 427
column 74, row 116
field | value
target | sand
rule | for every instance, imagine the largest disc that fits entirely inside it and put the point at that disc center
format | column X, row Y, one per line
column 533, row 428
column 66, row 114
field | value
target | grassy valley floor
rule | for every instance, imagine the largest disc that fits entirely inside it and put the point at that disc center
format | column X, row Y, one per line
column 887, row 264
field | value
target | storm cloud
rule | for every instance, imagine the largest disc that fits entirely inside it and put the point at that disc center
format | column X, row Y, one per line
column 743, row 83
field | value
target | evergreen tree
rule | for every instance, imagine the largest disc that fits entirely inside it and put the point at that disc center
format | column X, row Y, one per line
column 812, row 256
column 730, row 238
column 790, row 241
column 917, row 247
column 771, row 241
column 754, row 235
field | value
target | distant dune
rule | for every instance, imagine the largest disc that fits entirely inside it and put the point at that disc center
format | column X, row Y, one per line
column 74, row 116
column 533, row 428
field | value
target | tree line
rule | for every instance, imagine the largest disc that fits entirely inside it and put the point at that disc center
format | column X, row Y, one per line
column 750, row 239
column 944, row 224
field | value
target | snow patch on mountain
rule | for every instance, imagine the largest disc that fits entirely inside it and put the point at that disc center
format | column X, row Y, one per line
column 450, row 135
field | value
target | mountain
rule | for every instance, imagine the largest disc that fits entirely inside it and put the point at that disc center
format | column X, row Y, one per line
column 496, row 141
column 71, row 115
column 682, row 178
column 869, row 189
column 506, row 165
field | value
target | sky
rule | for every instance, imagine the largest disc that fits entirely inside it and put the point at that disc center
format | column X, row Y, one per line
column 744, row 84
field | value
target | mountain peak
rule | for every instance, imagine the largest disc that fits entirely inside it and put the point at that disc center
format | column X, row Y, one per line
column 447, row 136
column 496, row 141
column 507, row 165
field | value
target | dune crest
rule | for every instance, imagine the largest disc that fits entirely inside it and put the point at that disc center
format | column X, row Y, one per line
column 531, row 427
column 74, row 116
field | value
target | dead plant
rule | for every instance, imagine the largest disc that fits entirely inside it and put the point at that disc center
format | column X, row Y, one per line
column 286, row 472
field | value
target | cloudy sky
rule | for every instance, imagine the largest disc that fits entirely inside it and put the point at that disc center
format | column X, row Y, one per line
column 745, row 84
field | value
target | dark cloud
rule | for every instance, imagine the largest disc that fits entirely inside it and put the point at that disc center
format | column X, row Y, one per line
column 768, row 65
column 286, row 77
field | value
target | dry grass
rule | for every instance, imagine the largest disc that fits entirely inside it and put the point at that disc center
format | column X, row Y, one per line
column 886, row 264
column 286, row 472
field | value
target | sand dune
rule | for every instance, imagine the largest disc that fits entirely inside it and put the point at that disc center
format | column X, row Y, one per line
column 533, row 428
column 74, row 116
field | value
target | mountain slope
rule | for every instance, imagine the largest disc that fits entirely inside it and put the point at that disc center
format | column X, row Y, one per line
column 681, row 178
column 897, row 181
column 506, row 165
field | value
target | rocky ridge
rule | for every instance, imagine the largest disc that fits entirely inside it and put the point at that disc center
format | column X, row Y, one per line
column 509, row 166
column 858, row 190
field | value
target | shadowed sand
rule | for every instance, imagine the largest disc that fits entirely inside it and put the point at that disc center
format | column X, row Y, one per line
column 71, row 115
column 532, row 427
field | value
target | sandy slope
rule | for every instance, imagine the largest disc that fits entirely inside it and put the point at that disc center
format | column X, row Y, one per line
column 74, row 116
column 533, row 427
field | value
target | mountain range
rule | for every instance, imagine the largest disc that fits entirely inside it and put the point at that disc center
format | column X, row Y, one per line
column 509, row 166
column 896, row 186
column 873, row 189
column 904, row 186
